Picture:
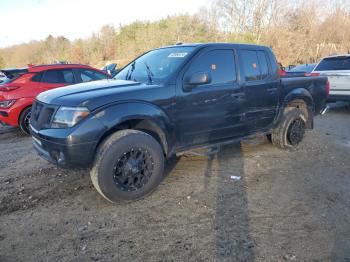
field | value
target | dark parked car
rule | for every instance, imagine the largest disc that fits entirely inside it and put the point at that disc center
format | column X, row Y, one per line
column 302, row 70
column 111, row 69
column 167, row 101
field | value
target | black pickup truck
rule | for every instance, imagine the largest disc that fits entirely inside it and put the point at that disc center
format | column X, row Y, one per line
column 167, row 101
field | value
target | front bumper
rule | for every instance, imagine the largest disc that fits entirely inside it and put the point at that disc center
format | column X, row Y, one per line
column 64, row 155
column 72, row 147
column 9, row 117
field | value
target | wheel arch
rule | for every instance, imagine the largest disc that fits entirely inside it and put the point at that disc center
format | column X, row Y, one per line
column 138, row 116
column 22, row 110
column 299, row 98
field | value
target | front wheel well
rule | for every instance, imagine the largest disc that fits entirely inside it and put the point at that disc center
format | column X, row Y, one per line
column 19, row 116
column 144, row 125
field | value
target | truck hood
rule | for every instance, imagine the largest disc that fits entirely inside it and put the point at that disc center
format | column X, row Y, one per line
column 95, row 94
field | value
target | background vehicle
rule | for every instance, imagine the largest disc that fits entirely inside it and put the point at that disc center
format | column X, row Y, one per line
column 111, row 69
column 167, row 101
column 301, row 70
column 21, row 86
column 2, row 77
column 337, row 69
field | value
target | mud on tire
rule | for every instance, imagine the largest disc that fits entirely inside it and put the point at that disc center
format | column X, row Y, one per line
column 290, row 130
column 129, row 164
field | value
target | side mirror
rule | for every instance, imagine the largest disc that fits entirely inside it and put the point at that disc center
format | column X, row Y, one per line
column 197, row 79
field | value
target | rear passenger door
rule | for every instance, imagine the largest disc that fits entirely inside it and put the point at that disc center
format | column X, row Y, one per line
column 56, row 78
column 260, row 89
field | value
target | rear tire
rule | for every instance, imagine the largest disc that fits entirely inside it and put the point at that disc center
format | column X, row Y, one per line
column 291, row 130
column 24, row 120
column 128, row 165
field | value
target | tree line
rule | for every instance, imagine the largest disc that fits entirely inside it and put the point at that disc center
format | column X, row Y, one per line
column 298, row 31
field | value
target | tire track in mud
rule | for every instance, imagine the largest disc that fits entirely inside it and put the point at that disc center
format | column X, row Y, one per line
column 43, row 187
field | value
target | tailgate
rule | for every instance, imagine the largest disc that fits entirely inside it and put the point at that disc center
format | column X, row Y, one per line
column 339, row 81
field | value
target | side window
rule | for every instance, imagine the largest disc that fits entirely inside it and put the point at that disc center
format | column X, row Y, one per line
column 250, row 65
column 334, row 64
column 219, row 64
column 68, row 76
column 264, row 66
column 37, row 77
column 61, row 76
column 91, row 75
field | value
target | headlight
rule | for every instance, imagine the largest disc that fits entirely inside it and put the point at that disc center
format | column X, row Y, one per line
column 7, row 103
column 69, row 116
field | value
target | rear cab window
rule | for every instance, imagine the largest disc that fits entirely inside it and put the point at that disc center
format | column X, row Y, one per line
column 334, row 64
column 219, row 64
column 255, row 65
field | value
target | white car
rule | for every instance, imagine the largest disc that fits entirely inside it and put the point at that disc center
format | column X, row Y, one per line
column 337, row 69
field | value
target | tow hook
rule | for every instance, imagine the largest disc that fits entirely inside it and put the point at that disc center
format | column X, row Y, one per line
column 325, row 110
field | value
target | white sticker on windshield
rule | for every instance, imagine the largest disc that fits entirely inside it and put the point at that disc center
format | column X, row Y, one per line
column 177, row 55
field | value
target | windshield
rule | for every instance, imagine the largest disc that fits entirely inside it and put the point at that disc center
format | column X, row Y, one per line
column 334, row 63
column 303, row 68
column 155, row 65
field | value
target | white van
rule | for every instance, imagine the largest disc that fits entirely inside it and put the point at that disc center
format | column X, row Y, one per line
column 337, row 69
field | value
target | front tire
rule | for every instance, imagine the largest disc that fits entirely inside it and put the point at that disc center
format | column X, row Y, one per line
column 128, row 165
column 291, row 130
column 24, row 120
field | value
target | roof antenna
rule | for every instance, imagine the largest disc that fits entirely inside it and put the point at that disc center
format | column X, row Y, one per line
column 178, row 41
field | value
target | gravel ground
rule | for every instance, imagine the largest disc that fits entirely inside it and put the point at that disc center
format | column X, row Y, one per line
column 287, row 205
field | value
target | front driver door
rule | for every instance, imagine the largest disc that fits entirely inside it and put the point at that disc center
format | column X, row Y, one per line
column 212, row 111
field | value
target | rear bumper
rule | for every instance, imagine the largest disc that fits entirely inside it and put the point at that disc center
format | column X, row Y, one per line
column 335, row 98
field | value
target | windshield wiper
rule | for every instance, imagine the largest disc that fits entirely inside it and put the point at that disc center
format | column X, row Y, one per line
column 130, row 71
column 149, row 73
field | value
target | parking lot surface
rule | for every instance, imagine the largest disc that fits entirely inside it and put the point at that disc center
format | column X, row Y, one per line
column 248, row 202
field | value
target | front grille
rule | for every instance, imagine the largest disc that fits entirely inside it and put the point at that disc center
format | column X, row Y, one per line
column 41, row 115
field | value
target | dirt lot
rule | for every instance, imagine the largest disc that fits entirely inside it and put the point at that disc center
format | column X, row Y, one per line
column 288, row 205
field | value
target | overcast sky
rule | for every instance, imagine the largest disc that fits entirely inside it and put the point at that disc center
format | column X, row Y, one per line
column 25, row 20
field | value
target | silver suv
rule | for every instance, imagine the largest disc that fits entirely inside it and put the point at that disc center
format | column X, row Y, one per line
column 337, row 69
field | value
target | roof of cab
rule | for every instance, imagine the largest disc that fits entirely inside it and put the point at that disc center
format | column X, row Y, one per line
column 334, row 56
column 237, row 45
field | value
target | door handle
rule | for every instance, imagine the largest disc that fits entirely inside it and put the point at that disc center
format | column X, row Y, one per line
column 272, row 90
column 238, row 96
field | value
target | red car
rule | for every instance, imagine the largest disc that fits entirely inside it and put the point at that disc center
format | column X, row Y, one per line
column 21, row 86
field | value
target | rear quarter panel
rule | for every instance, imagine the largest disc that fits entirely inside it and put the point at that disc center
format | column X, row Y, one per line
column 312, row 89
